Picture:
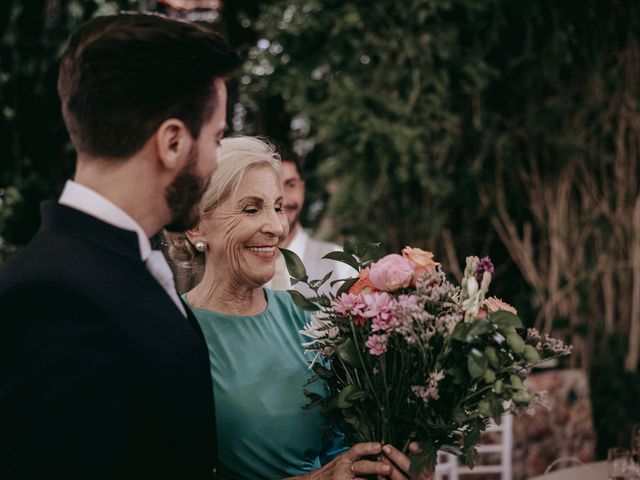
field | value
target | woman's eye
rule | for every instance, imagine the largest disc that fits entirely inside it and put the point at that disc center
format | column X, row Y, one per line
column 250, row 209
column 279, row 208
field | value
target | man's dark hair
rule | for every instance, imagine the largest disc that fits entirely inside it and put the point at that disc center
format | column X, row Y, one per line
column 287, row 154
column 123, row 75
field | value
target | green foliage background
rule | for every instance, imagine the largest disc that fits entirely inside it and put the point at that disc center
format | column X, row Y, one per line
column 421, row 122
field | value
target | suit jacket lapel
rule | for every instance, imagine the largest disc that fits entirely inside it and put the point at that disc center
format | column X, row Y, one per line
column 56, row 217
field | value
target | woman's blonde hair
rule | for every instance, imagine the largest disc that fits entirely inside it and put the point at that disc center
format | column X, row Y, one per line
column 236, row 156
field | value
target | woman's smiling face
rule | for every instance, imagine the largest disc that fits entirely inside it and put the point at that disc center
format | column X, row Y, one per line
column 243, row 233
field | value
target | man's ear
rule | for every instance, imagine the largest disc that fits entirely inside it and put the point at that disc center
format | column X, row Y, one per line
column 173, row 142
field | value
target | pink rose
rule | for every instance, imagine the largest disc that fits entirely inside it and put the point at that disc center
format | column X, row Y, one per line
column 391, row 273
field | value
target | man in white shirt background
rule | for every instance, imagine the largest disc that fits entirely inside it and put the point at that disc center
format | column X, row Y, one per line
column 310, row 250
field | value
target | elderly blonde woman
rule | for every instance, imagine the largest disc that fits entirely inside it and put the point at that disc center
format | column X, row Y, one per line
column 257, row 363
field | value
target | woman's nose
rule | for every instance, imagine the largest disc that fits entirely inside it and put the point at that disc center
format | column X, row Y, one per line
column 273, row 224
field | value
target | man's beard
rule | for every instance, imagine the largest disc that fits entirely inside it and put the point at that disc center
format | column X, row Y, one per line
column 184, row 194
column 295, row 220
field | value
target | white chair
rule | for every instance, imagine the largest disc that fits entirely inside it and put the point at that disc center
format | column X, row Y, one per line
column 448, row 465
column 501, row 448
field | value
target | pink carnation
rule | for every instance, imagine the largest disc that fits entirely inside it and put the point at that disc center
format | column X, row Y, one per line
column 380, row 308
column 391, row 273
column 349, row 304
column 377, row 344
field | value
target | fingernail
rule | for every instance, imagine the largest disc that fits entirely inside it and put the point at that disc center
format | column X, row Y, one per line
column 386, row 449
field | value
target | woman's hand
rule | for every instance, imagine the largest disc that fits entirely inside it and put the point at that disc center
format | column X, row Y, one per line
column 402, row 463
column 351, row 465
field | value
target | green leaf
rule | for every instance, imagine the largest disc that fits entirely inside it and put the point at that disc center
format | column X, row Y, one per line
column 456, row 374
column 343, row 257
column 302, row 302
column 359, row 395
column 294, row 265
column 452, row 449
column 495, row 405
column 314, row 399
column 459, row 416
column 362, row 249
column 326, row 277
column 461, row 332
column 313, row 396
column 344, row 288
column 476, row 363
column 344, row 397
column 349, row 247
column 505, row 320
column 323, row 372
column 322, row 300
column 480, row 327
column 348, row 353
column 426, row 459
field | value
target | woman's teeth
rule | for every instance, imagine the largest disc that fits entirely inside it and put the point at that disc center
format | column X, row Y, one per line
column 262, row 249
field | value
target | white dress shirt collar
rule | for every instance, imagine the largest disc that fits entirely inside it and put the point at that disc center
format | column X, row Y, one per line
column 299, row 242
column 92, row 203
column 88, row 201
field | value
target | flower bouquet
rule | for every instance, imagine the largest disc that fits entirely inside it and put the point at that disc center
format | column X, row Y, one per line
column 409, row 356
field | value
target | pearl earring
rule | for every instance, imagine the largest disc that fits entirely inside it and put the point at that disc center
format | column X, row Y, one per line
column 201, row 245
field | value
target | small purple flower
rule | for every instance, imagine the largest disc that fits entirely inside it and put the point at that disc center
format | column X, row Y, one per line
column 484, row 265
column 377, row 344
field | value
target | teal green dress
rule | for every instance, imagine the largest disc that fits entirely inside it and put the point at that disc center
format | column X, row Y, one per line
column 259, row 370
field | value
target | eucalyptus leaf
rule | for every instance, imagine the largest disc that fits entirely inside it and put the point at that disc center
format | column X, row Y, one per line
column 348, row 353
column 476, row 363
column 461, row 332
column 295, row 266
column 359, row 395
column 344, row 397
column 480, row 327
column 505, row 320
column 495, row 405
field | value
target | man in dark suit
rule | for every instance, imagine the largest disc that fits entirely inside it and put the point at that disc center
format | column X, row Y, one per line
column 103, row 371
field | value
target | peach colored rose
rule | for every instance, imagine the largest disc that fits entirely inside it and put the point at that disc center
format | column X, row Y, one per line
column 363, row 285
column 420, row 259
column 494, row 304
column 391, row 273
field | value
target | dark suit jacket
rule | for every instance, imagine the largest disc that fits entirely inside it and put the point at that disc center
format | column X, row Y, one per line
column 101, row 376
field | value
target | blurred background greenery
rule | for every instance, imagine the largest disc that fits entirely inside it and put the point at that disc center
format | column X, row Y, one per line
column 489, row 127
